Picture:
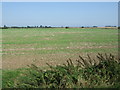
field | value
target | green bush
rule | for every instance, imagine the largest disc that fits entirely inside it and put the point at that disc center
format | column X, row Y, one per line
column 87, row 73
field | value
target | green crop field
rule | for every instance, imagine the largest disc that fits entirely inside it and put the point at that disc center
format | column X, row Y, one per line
column 22, row 47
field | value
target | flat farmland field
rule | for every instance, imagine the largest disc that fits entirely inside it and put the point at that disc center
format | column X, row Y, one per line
column 22, row 47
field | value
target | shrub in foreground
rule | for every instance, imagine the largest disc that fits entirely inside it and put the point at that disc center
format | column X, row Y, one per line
column 87, row 73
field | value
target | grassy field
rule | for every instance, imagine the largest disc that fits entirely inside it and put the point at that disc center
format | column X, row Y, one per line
column 22, row 47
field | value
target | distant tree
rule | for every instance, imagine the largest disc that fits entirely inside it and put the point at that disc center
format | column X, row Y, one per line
column 41, row 26
column 5, row 27
column 28, row 27
column 119, row 27
column 46, row 27
column 66, row 27
column 82, row 27
column 95, row 26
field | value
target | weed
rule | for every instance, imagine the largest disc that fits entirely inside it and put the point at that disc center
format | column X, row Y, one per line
column 85, row 74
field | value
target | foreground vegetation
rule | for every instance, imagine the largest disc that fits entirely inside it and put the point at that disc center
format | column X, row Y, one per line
column 86, row 73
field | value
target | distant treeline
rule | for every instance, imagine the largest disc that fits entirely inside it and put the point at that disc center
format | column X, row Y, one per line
column 6, row 27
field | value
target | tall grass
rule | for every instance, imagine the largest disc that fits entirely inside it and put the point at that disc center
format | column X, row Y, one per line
column 87, row 73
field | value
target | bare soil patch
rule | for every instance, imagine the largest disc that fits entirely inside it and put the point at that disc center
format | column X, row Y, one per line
column 55, row 48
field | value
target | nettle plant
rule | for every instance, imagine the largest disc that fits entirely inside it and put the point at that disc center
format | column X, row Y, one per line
column 87, row 73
